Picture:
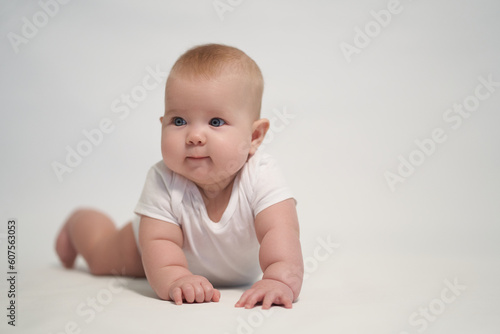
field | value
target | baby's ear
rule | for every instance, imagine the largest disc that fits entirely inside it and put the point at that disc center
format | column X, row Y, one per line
column 161, row 119
column 259, row 130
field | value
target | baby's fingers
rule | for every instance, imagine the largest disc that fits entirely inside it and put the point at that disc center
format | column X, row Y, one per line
column 250, row 298
column 269, row 299
column 176, row 295
column 208, row 293
column 277, row 299
column 184, row 292
column 243, row 299
column 216, row 295
column 194, row 293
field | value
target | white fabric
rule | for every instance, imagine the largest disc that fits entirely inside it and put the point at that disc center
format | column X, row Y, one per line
column 225, row 252
column 345, row 293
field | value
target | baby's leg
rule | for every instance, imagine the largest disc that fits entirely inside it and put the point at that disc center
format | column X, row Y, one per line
column 107, row 250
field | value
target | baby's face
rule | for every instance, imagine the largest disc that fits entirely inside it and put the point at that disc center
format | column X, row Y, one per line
column 207, row 128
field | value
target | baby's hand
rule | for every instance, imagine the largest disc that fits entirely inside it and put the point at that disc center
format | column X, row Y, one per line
column 269, row 292
column 193, row 288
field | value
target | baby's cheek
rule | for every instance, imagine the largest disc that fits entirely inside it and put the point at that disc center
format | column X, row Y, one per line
column 243, row 147
column 241, row 154
column 171, row 142
column 171, row 154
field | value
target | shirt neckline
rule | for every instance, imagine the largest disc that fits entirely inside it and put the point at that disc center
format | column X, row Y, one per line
column 228, row 212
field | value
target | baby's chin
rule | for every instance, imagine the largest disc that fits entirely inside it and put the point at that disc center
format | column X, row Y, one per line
column 207, row 175
column 209, row 182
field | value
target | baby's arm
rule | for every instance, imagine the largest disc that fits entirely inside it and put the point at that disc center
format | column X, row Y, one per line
column 166, row 266
column 280, row 258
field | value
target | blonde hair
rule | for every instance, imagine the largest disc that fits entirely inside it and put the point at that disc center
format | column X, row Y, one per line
column 209, row 61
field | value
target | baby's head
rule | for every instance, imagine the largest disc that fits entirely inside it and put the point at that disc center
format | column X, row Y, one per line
column 220, row 62
column 212, row 124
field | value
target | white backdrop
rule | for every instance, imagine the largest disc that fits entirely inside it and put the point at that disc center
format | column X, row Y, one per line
column 385, row 121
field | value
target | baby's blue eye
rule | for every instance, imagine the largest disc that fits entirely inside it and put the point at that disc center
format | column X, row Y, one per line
column 216, row 122
column 178, row 121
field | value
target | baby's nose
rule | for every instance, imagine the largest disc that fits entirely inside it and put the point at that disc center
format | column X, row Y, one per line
column 195, row 137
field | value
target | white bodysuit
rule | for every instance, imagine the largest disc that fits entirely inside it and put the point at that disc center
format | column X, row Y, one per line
column 225, row 252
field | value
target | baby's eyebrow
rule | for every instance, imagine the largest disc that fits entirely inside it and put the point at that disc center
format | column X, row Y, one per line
column 175, row 111
column 211, row 113
column 220, row 112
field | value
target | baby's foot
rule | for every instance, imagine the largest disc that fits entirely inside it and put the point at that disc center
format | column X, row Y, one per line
column 64, row 248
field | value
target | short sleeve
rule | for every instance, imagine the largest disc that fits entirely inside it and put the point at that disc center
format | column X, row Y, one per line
column 268, row 183
column 155, row 200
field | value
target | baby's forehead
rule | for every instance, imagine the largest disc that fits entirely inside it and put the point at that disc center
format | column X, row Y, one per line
column 227, row 83
column 226, row 74
column 234, row 84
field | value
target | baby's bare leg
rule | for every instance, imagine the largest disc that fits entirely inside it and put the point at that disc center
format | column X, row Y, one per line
column 107, row 250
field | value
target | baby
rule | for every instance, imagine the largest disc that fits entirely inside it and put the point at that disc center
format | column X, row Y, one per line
column 215, row 211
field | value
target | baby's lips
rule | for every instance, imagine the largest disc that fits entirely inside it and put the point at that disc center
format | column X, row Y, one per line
column 197, row 156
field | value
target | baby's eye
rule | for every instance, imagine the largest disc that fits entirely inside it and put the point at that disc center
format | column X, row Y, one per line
column 178, row 121
column 216, row 122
